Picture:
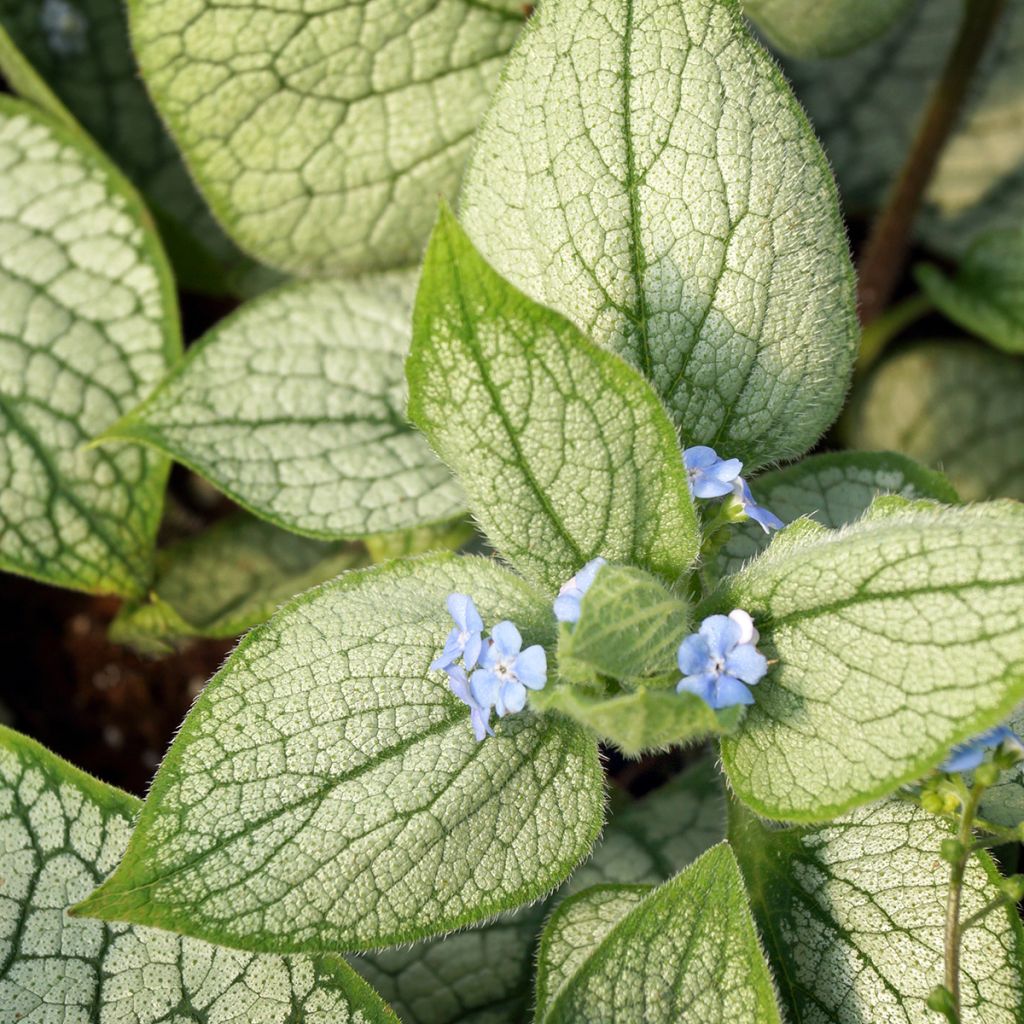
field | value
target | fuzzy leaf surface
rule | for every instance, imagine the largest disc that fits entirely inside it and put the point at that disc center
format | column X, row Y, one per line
column 326, row 791
column 951, row 405
column 88, row 324
column 807, row 28
column 685, row 949
column 564, row 451
column 294, row 407
column 316, row 131
column 62, row 832
column 986, row 296
column 852, row 914
column 896, row 639
column 832, row 489
column 645, row 171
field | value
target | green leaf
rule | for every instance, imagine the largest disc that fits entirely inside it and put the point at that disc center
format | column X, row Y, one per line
column 867, row 107
column 62, row 831
column 86, row 75
column 645, row 171
column 316, row 132
column 809, row 28
column 294, row 408
column 986, row 297
column 685, row 950
column 833, row 489
column 326, row 790
column 629, row 628
column 951, row 405
column 896, row 639
column 230, row 577
column 485, row 976
column 565, row 453
column 853, row 915
column 1003, row 803
column 88, row 323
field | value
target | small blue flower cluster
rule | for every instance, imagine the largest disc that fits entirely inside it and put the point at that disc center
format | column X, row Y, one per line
column 968, row 756
column 721, row 660
column 712, row 477
column 505, row 670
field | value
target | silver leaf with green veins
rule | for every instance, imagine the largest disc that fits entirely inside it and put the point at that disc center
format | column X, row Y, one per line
column 321, row 133
column 88, row 324
column 564, row 451
column 951, row 405
column 896, row 639
column 62, row 832
column 645, row 171
column 294, row 407
column 326, row 792
column 853, row 915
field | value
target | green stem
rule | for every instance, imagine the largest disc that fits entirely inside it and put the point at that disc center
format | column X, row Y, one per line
column 886, row 249
column 892, row 323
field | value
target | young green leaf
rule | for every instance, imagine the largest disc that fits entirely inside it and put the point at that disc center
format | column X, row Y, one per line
column 809, row 28
column 62, row 832
column 896, row 639
column 867, row 108
column 952, row 405
column 645, row 171
column 485, row 976
column 294, row 408
column 833, row 489
column 327, row 792
column 853, row 915
column 316, row 131
column 230, row 577
column 629, row 628
column 686, row 949
column 986, row 297
column 565, row 452
column 88, row 323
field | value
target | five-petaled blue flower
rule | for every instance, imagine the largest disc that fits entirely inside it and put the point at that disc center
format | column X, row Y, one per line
column 708, row 475
column 721, row 661
column 465, row 640
column 768, row 521
column 567, row 604
column 507, row 670
column 479, row 716
column 967, row 756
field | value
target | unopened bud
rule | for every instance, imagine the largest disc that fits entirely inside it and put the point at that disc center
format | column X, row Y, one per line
column 940, row 1000
column 952, row 851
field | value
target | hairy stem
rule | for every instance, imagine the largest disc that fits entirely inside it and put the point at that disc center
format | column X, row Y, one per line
column 886, row 249
column 954, row 929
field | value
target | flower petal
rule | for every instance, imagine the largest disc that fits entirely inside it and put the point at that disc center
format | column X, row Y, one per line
column 700, row 456
column 721, row 633
column 485, row 687
column 694, row 657
column 507, row 639
column 707, row 487
column 452, row 649
column 479, row 717
column 586, row 576
column 748, row 631
column 730, row 692
column 567, row 608
column 532, row 667
column 513, row 697
column 471, row 654
column 459, row 685
column 747, row 663
column 700, row 685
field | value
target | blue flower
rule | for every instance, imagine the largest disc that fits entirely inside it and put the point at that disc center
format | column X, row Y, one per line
column 768, row 521
column 479, row 716
column 465, row 639
column 721, row 661
column 507, row 670
column 567, row 604
column 967, row 756
column 708, row 475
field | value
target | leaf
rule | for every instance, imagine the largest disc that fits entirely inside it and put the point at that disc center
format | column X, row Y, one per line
column 630, row 627
column 62, row 832
column 326, row 790
column 642, row 720
column 896, row 639
column 685, row 950
column 853, row 915
column 88, row 323
column 316, row 132
column 85, row 75
column 808, row 28
column 833, row 489
column 986, row 297
column 294, row 408
column 951, row 405
column 645, row 171
column 230, row 577
column 866, row 108
column 1003, row 803
column 564, row 452
column 485, row 976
